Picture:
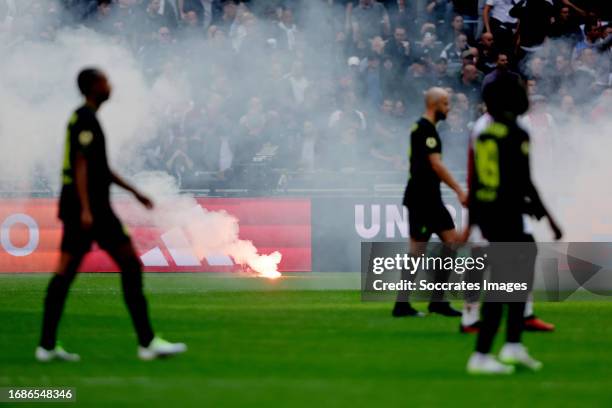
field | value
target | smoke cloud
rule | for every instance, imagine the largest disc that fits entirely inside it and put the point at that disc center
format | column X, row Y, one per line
column 234, row 95
column 209, row 233
column 37, row 79
column 571, row 137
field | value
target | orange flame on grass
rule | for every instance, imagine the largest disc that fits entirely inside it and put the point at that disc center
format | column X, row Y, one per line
column 266, row 266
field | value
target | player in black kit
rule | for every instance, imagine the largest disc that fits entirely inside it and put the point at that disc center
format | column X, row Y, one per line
column 87, row 215
column 426, row 211
column 501, row 192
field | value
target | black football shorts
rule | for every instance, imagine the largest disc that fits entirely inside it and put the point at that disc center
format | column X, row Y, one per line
column 106, row 230
column 427, row 218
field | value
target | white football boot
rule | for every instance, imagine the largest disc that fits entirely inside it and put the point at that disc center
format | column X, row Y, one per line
column 160, row 348
column 486, row 364
column 58, row 353
column 516, row 354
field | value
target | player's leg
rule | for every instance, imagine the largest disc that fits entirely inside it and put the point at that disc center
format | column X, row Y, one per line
column 481, row 361
column 402, row 305
column 420, row 233
column 513, row 352
column 131, row 283
column 531, row 321
column 470, row 315
column 448, row 236
column 150, row 346
column 55, row 299
column 491, row 319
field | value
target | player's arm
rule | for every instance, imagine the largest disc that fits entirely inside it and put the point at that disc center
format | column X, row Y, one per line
column 80, row 175
column 181, row 8
column 485, row 17
column 535, row 202
column 539, row 210
column 465, row 234
column 568, row 3
column 518, row 10
column 144, row 200
column 435, row 159
column 386, row 23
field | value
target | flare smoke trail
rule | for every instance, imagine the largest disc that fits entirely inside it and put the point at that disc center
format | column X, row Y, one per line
column 209, row 232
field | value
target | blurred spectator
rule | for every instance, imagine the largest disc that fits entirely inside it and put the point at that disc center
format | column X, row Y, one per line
column 229, row 20
column 162, row 13
column 329, row 84
column 403, row 13
column 453, row 53
column 535, row 18
column 310, row 151
column 345, row 151
column 468, row 9
column 298, row 82
column 502, row 67
column 416, row 81
column 387, row 136
column 455, row 140
column 206, row 12
column 584, row 84
column 398, row 49
column 487, row 54
column 287, row 31
column 567, row 114
column 437, row 11
column 470, row 83
column 457, row 27
column 565, row 26
column 592, row 38
column 428, row 48
column 347, row 112
column 371, row 78
column 499, row 22
column 562, row 72
column 369, row 19
column 441, row 76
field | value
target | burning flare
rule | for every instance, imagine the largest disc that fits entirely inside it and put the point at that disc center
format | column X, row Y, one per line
column 194, row 231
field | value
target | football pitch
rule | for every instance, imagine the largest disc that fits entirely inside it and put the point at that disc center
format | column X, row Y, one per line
column 304, row 340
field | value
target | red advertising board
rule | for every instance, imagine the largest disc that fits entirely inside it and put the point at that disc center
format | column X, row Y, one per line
column 30, row 234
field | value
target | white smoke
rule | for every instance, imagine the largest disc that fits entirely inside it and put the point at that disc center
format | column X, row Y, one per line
column 39, row 92
column 210, row 232
column 572, row 170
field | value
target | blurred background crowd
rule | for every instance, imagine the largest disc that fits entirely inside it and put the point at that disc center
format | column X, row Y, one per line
column 322, row 92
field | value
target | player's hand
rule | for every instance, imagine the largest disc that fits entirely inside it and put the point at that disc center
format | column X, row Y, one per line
column 145, row 201
column 462, row 197
column 86, row 219
column 464, row 236
column 555, row 229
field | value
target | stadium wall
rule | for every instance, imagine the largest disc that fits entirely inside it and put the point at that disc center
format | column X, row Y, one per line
column 313, row 234
column 30, row 234
column 340, row 224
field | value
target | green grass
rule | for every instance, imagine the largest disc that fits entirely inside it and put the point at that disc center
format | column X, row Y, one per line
column 287, row 343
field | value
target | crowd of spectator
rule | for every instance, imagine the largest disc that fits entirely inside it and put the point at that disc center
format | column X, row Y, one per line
column 311, row 86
